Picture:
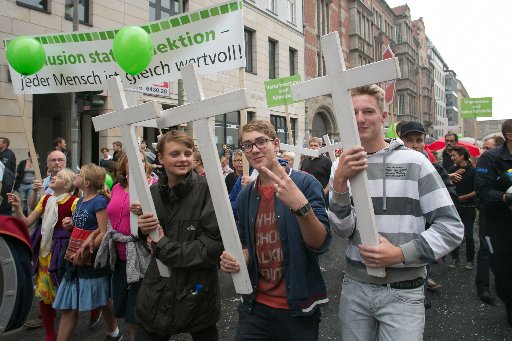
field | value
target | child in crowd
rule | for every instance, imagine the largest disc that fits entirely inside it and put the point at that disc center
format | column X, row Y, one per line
column 85, row 288
column 189, row 243
column 127, row 255
column 49, row 241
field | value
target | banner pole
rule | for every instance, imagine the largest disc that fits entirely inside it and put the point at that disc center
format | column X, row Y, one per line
column 243, row 116
column 288, row 124
column 28, row 134
column 474, row 132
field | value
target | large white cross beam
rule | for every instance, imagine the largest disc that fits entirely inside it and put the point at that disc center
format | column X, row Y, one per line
column 330, row 148
column 125, row 118
column 199, row 110
column 299, row 150
column 338, row 83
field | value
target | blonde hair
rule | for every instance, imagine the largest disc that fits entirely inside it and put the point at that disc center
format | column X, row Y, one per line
column 260, row 126
column 95, row 175
column 375, row 91
column 69, row 177
column 291, row 155
column 317, row 140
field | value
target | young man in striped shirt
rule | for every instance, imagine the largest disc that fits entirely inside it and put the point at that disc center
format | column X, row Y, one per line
column 406, row 192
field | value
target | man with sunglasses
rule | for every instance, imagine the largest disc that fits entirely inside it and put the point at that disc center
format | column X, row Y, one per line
column 283, row 228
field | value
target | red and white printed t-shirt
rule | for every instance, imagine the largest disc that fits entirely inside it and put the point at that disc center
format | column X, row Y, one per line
column 271, row 282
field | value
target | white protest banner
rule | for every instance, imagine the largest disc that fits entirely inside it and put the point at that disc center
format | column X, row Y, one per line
column 212, row 38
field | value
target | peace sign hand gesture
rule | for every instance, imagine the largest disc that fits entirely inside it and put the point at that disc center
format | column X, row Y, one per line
column 285, row 188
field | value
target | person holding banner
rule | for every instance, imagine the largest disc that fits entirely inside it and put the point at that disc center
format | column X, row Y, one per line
column 283, row 228
column 189, row 244
column 406, row 192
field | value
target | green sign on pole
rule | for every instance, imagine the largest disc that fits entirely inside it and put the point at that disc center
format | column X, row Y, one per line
column 279, row 91
column 476, row 107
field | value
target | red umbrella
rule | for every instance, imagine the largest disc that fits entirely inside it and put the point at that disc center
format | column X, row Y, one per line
column 439, row 144
column 431, row 156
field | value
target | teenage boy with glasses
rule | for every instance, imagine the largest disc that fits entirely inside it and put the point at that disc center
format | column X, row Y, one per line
column 283, row 228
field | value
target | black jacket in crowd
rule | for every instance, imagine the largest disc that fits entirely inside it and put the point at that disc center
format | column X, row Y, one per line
column 490, row 166
column 9, row 159
column 191, row 249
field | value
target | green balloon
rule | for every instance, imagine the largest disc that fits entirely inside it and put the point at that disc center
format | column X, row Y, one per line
column 25, row 55
column 391, row 133
column 133, row 49
column 109, row 181
column 459, row 136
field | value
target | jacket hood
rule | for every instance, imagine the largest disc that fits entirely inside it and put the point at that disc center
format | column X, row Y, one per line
column 179, row 190
column 394, row 144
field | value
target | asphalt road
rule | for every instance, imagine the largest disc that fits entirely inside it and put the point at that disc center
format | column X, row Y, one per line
column 456, row 313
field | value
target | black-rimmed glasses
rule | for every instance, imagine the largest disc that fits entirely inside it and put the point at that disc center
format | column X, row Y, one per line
column 259, row 142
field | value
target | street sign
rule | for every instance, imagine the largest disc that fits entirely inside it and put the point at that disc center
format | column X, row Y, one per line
column 476, row 107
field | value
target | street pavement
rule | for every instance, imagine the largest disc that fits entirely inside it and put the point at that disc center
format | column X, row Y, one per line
column 456, row 313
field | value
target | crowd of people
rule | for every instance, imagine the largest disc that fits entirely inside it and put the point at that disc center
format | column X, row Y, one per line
column 89, row 257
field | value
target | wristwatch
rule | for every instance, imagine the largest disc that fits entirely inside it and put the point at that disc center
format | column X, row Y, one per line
column 302, row 211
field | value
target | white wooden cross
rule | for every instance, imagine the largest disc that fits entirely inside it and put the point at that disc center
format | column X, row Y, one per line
column 125, row 118
column 330, row 148
column 198, row 111
column 299, row 150
column 338, row 83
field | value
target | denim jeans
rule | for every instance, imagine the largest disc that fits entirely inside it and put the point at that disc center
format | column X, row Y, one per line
column 371, row 312
column 24, row 191
column 271, row 324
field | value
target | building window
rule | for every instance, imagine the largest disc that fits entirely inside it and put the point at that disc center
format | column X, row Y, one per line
column 401, row 105
column 293, row 61
column 272, row 59
column 398, row 33
column 227, row 127
column 159, row 9
column 322, row 17
column 83, row 10
column 34, row 4
column 271, row 6
column 279, row 123
column 249, row 52
column 412, row 105
column 291, row 11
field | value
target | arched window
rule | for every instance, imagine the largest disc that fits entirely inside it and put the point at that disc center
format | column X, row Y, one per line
column 319, row 128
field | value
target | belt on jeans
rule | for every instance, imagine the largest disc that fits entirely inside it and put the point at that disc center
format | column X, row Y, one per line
column 410, row 284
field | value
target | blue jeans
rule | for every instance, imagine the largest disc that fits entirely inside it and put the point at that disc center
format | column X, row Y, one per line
column 370, row 312
column 24, row 191
column 266, row 323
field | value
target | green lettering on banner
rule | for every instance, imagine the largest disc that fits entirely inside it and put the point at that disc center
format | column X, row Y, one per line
column 279, row 91
column 214, row 46
column 156, row 26
column 476, row 107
